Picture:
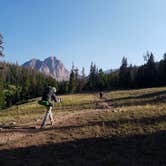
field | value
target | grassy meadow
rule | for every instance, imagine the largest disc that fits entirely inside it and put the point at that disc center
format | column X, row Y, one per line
column 126, row 127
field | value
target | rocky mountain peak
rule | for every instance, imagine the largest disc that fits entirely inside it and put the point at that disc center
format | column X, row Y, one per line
column 50, row 66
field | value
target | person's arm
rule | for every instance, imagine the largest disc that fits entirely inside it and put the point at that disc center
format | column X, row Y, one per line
column 55, row 98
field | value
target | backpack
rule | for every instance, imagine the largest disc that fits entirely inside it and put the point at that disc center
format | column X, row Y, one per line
column 44, row 102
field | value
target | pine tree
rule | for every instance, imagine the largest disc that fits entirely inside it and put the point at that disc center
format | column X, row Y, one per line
column 76, row 79
column 150, row 70
column 1, row 80
column 1, row 47
column 162, row 70
column 82, row 81
column 66, row 87
column 124, row 74
column 2, row 101
column 72, row 83
column 92, row 80
column 101, row 80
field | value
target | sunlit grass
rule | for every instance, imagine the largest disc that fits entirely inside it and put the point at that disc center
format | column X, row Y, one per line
column 129, row 103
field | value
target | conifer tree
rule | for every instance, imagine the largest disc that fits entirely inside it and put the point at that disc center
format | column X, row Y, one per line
column 124, row 74
column 1, row 47
column 1, row 79
column 150, row 70
column 72, row 84
column 92, row 80
column 101, row 80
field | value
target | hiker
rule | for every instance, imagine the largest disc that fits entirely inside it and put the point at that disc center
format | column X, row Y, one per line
column 48, row 99
column 101, row 94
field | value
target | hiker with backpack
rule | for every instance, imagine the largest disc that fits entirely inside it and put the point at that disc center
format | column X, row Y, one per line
column 48, row 99
column 101, row 94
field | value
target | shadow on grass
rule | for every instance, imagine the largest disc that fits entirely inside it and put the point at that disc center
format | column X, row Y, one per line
column 134, row 150
column 149, row 98
column 148, row 95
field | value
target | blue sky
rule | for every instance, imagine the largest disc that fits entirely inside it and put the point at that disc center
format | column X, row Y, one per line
column 81, row 31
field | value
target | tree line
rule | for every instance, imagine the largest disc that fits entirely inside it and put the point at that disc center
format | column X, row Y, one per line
column 150, row 74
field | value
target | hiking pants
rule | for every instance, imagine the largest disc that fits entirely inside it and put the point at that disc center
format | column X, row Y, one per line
column 48, row 114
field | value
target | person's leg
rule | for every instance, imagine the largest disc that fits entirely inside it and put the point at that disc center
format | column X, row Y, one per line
column 46, row 117
column 51, row 117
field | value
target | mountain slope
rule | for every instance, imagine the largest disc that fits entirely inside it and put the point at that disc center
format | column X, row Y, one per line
column 50, row 66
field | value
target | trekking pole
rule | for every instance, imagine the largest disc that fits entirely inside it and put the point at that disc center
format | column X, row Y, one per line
column 95, row 101
column 72, row 101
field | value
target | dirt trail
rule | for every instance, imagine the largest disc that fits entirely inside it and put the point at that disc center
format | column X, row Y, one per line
column 65, row 122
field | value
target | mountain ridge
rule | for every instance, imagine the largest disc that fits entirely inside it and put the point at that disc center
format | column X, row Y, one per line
column 49, row 66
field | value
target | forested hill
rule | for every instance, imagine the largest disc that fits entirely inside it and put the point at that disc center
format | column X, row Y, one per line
column 19, row 84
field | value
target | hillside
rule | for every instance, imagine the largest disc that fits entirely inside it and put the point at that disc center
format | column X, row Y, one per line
column 50, row 66
column 123, row 128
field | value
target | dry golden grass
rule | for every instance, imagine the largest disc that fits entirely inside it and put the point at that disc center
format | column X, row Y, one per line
column 124, row 128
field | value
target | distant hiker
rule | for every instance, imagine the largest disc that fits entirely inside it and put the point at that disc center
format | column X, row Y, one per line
column 101, row 94
column 48, row 99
